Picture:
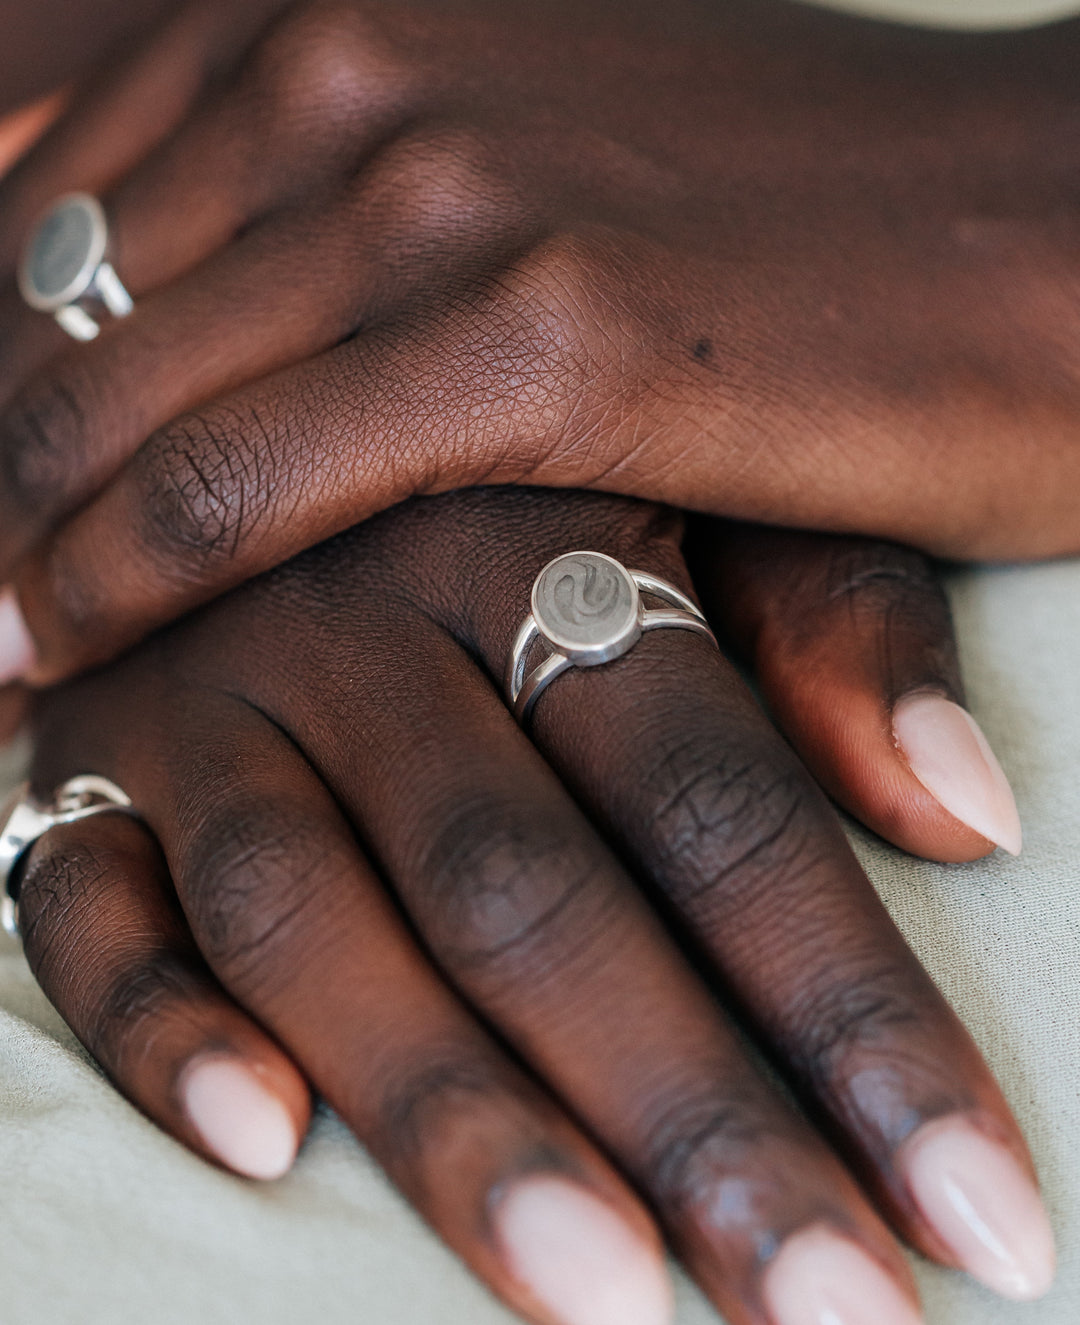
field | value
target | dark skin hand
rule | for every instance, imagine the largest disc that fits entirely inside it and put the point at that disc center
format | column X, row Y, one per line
column 152, row 1010
column 747, row 258
column 50, row 42
column 358, row 874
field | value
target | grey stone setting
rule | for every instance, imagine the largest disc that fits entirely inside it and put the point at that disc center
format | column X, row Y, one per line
column 65, row 252
column 586, row 605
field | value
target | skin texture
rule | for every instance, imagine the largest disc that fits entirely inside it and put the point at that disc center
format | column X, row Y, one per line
column 20, row 130
column 48, row 43
column 751, row 259
column 836, row 634
column 337, row 722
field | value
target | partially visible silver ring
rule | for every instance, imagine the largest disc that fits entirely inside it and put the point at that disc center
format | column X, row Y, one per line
column 65, row 268
column 24, row 819
column 587, row 610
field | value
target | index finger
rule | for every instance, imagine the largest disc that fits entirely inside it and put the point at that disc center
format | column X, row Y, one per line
column 851, row 642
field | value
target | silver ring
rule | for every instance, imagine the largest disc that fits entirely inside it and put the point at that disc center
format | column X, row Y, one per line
column 24, row 819
column 65, row 269
column 587, row 609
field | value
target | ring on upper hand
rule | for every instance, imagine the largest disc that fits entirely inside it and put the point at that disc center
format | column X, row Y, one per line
column 65, row 269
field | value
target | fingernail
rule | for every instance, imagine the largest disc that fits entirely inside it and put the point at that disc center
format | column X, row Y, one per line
column 952, row 759
column 983, row 1205
column 821, row 1278
column 240, row 1121
column 578, row 1258
column 17, row 653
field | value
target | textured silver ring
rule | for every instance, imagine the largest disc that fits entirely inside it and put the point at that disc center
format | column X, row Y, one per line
column 24, row 819
column 588, row 609
column 65, row 268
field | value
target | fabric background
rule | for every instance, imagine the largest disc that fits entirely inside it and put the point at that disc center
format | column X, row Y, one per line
column 959, row 13
column 105, row 1220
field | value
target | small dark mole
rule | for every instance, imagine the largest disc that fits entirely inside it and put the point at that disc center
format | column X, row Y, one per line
column 702, row 350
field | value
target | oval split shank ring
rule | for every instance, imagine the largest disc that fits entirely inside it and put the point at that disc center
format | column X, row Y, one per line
column 65, row 268
column 587, row 610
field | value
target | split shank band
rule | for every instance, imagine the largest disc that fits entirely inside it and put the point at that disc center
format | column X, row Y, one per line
column 588, row 609
column 65, row 268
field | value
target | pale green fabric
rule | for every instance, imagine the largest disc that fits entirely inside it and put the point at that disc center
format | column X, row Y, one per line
column 107, row 1222
column 960, row 13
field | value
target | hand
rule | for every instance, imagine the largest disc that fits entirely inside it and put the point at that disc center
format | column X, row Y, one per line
column 749, row 259
column 386, row 891
column 48, row 44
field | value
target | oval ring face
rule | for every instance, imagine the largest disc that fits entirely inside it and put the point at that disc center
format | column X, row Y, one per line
column 66, row 250
column 586, row 605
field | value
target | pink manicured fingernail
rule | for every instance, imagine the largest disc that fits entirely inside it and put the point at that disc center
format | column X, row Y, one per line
column 578, row 1258
column 247, row 1128
column 821, row 1278
column 17, row 652
column 951, row 758
column 983, row 1205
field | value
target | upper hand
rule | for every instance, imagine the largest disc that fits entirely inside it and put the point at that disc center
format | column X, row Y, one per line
column 745, row 258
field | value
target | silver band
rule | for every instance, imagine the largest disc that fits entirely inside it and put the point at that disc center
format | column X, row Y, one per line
column 65, row 268
column 24, row 819
column 587, row 610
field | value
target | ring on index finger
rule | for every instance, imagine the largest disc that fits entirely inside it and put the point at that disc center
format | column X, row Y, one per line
column 65, row 269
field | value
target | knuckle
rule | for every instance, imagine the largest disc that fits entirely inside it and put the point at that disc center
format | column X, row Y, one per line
column 55, row 885
column 562, row 290
column 251, row 884
column 512, row 892
column 113, row 993
column 854, row 1020
column 138, row 996
column 443, row 186
column 317, row 68
column 580, row 362
column 420, row 1103
column 729, row 824
column 203, row 484
column 695, row 1137
column 42, row 438
column 883, row 577
column 894, row 597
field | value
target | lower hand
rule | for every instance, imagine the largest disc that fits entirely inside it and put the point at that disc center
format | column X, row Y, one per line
column 357, row 874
